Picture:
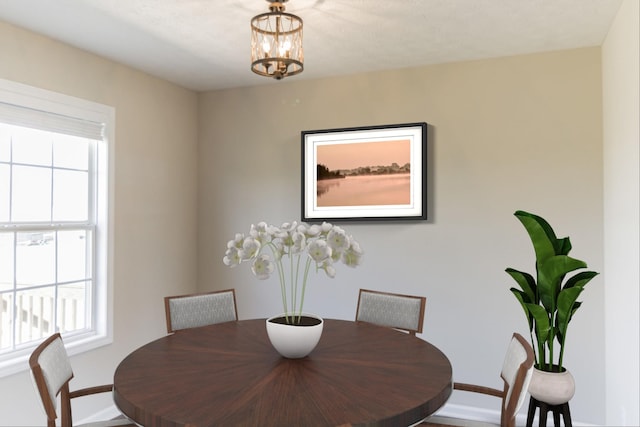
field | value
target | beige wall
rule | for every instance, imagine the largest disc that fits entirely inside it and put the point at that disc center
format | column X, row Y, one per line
column 155, row 200
column 621, row 105
column 505, row 134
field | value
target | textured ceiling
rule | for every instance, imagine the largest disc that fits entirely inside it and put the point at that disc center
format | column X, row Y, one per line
column 204, row 44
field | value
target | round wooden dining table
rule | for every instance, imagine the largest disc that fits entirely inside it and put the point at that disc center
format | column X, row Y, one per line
column 228, row 374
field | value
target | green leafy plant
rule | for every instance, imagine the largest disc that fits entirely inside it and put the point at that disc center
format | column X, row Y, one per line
column 549, row 300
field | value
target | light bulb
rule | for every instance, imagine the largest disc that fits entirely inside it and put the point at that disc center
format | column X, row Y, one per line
column 266, row 47
column 285, row 47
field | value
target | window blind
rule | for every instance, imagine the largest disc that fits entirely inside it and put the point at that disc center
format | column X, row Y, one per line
column 44, row 120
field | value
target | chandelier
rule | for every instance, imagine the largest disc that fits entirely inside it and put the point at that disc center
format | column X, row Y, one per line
column 276, row 42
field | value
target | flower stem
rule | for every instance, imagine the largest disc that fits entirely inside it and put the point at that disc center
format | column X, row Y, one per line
column 304, row 286
column 293, row 284
column 298, row 307
column 283, row 290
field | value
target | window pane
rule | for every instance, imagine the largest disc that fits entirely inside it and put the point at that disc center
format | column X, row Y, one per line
column 72, row 306
column 35, row 311
column 6, row 261
column 4, row 192
column 32, row 147
column 31, row 194
column 35, row 258
column 70, row 152
column 70, row 195
column 6, row 320
column 73, row 261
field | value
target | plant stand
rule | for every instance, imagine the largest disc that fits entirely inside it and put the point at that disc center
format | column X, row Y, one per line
column 561, row 409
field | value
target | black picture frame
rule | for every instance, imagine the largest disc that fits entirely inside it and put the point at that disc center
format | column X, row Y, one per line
column 366, row 173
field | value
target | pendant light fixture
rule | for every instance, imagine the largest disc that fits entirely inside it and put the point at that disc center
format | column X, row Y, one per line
column 276, row 42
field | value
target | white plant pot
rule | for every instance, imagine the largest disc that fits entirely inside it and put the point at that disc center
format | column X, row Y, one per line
column 294, row 341
column 553, row 388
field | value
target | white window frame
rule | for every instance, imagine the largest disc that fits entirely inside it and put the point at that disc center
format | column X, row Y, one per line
column 44, row 100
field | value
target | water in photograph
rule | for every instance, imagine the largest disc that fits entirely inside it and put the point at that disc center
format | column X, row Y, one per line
column 365, row 190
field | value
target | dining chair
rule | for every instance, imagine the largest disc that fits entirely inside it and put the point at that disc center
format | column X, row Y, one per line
column 51, row 373
column 195, row 310
column 516, row 374
column 397, row 311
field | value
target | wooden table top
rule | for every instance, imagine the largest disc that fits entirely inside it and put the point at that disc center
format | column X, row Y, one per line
column 229, row 375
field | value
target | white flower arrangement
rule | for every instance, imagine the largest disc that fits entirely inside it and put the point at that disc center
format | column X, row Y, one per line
column 322, row 245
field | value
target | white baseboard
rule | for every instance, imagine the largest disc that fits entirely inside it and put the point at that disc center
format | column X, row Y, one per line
column 473, row 414
column 107, row 413
column 493, row 416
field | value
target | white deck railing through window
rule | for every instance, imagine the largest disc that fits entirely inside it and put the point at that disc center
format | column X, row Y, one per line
column 33, row 318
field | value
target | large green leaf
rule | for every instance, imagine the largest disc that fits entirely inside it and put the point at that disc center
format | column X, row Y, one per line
column 524, row 300
column 567, row 305
column 550, row 275
column 526, row 281
column 542, row 323
column 580, row 279
column 566, row 301
column 541, row 234
column 542, row 331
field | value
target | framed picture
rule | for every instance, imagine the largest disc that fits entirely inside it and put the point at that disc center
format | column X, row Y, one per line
column 365, row 173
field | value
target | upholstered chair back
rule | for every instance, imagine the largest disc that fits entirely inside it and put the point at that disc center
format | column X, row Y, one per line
column 195, row 310
column 516, row 373
column 50, row 363
column 404, row 312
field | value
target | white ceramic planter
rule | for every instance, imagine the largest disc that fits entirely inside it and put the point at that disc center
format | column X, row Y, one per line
column 553, row 388
column 294, row 341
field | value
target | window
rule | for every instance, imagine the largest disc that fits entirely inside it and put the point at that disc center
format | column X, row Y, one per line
column 54, row 233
